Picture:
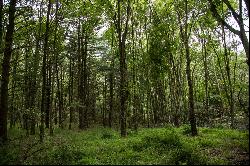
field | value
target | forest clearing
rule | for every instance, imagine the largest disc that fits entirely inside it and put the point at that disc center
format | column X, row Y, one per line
column 118, row 82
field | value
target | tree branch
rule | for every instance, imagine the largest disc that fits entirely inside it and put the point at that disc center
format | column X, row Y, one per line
column 220, row 20
column 235, row 15
column 247, row 5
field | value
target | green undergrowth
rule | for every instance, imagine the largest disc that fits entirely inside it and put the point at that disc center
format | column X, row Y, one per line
column 100, row 145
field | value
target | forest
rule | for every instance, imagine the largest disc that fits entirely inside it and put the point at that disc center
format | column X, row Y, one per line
column 124, row 82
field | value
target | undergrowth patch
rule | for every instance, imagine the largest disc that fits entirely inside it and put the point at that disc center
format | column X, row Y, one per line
column 100, row 145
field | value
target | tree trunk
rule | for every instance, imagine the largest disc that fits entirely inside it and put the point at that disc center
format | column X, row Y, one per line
column 184, row 35
column 111, row 93
column 35, row 65
column 44, row 77
column 104, row 107
column 204, row 52
column 111, row 87
column 123, row 68
column 51, row 115
column 1, row 24
column 175, row 102
column 80, row 82
column 85, row 81
column 48, row 94
column 13, row 110
column 6, row 72
column 70, row 94
column 190, row 94
column 227, row 66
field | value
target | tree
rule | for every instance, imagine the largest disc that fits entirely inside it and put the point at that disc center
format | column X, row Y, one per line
column 123, row 67
column 1, row 24
column 185, row 39
column 6, row 71
column 44, row 76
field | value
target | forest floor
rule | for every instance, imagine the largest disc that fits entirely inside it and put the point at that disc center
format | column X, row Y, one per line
column 146, row 146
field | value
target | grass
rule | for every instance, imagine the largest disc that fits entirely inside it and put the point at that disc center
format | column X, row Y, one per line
column 147, row 146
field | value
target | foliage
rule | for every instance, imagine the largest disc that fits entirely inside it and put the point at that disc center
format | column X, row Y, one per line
column 149, row 146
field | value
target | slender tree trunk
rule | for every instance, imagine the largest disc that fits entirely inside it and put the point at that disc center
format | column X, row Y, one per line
column 190, row 94
column 60, row 95
column 27, row 93
column 111, row 93
column 104, row 107
column 51, row 115
column 59, row 83
column 204, row 52
column 111, row 87
column 148, row 107
column 70, row 94
column 1, row 24
column 221, row 73
column 184, row 35
column 80, row 79
column 44, row 77
column 13, row 110
column 48, row 94
column 228, row 73
column 174, row 92
column 6, row 72
column 36, row 59
column 85, row 81
column 123, row 68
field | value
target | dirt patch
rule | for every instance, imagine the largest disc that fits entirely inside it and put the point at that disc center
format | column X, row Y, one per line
column 239, row 157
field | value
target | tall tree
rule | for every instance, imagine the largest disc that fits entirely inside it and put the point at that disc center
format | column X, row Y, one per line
column 123, row 66
column 44, row 76
column 111, row 86
column 185, row 38
column 6, row 72
column 1, row 24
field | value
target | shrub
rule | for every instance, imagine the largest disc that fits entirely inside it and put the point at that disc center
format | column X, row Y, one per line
column 65, row 155
column 186, row 155
column 166, row 140
column 9, row 154
column 107, row 133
